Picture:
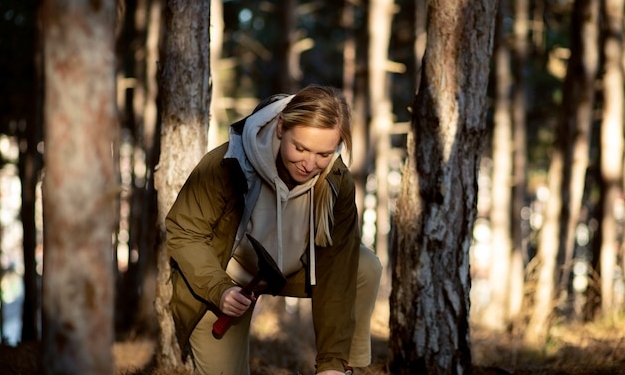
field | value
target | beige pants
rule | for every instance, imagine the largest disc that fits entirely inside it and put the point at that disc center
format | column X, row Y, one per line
column 229, row 355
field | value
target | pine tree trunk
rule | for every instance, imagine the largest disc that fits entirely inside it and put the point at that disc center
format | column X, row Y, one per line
column 519, row 139
column 80, row 187
column 611, row 149
column 286, row 56
column 567, row 169
column 355, row 89
column 380, row 18
column 575, row 126
column 30, row 170
column 495, row 313
column 436, row 209
column 184, row 74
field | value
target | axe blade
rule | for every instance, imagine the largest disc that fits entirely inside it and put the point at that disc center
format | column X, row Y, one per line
column 267, row 267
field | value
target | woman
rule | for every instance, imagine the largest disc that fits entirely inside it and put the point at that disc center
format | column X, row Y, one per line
column 280, row 179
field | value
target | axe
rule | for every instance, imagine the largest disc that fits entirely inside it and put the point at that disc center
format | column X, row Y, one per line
column 268, row 271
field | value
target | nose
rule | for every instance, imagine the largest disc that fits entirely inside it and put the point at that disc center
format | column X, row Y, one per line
column 309, row 162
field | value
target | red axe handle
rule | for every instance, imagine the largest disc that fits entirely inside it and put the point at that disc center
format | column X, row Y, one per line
column 223, row 322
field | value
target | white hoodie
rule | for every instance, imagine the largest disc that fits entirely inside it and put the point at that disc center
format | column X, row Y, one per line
column 279, row 218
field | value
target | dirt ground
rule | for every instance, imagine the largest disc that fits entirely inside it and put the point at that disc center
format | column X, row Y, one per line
column 283, row 344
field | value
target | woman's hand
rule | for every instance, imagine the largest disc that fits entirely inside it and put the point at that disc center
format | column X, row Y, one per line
column 234, row 303
column 330, row 372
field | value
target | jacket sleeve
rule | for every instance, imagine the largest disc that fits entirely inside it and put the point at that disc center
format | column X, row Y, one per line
column 334, row 295
column 193, row 222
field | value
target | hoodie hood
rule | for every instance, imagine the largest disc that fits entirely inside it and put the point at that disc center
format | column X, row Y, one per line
column 288, row 222
column 253, row 125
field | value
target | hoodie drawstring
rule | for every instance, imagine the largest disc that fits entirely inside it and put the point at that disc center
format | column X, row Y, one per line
column 311, row 239
column 311, row 232
column 279, row 217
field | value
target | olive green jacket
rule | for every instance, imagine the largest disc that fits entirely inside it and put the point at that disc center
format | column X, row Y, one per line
column 201, row 228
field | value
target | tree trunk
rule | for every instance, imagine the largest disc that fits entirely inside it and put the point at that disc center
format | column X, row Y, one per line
column 436, row 208
column 184, row 76
column 218, row 128
column 420, row 37
column 151, row 143
column 286, row 56
column 380, row 18
column 355, row 86
column 29, row 171
column 576, row 122
column 79, row 190
column 495, row 313
column 568, row 167
column 519, row 174
column 611, row 148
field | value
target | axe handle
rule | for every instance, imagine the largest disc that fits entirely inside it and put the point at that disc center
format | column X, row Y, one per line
column 223, row 322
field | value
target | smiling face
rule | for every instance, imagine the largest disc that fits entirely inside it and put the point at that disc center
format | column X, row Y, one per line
column 306, row 150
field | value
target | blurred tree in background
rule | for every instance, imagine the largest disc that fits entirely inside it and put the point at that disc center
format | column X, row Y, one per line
column 552, row 95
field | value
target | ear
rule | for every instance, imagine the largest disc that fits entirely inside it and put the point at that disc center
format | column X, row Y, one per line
column 279, row 127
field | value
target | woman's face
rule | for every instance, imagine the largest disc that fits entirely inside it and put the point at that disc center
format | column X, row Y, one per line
column 306, row 150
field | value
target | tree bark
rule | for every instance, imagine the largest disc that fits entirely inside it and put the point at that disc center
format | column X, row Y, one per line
column 184, row 86
column 79, row 189
column 436, row 208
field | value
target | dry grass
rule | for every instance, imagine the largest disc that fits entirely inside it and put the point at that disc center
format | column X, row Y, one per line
column 283, row 344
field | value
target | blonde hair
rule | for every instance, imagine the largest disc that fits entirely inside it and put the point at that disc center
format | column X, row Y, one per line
column 321, row 107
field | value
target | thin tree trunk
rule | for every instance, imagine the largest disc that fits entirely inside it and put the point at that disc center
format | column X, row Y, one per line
column 151, row 141
column 380, row 18
column 30, row 169
column 420, row 37
column 495, row 313
column 355, row 87
column 184, row 76
column 519, row 174
column 611, row 148
column 576, row 122
column 286, row 55
column 219, row 116
column 436, row 208
column 79, row 190
column 568, row 167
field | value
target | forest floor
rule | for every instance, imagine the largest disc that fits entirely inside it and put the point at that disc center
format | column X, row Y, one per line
column 283, row 344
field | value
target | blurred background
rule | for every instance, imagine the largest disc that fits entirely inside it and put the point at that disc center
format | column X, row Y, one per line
column 555, row 114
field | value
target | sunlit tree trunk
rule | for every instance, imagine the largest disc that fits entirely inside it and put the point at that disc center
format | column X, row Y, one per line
column 611, row 148
column 359, row 137
column 184, row 87
column 519, row 172
column 494, row 315
column 80, row 187
column 568, row 166
column 436, row 208
column 355, row 83
column 219, row 117
column 379, row 23
column 420, row 36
